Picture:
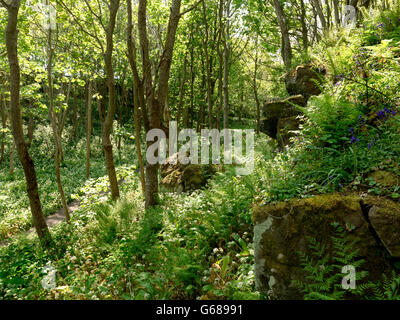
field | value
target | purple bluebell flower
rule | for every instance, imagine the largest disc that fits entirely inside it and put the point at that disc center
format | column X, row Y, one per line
column 354, row 140
column 381, row 114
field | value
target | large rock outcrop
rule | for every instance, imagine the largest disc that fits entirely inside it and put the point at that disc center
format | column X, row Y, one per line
column 384, row 217
column 281, row 231
column 280, row 116
column 286, row 128
column 177, row 177
column 304, row 80
column 275, row 110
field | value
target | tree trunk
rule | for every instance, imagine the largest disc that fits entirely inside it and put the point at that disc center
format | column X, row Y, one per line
column 241, row 102
column 75, row 117
column 137, row 138
column 255, row 88
column 208, row 66
column 181, row 91
column 136, row 93
column 220, row 64
column 63, row 115
column 192, row 78
column 227, row 54
column 316, row 36
column 328, row 14
column 88, row 126
column 336, row 11
column 57, row 139
column 286, row 46
column 203, row 90
column 3, row 108
column 156, row 104
column 31, row 129
column 122, row 99
column 11, row 156
column 320, row 13
column 108, row 122
column 304, row 28
column 16, row 123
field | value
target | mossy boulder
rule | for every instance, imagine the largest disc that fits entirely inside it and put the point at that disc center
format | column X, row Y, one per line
column 281, row 231
column 286, row 128
column 384, row 217
column 177, row 177
column 305, row 80
column 276, row 109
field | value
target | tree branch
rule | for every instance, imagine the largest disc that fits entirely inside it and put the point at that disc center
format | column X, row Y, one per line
column 96, row 15
column 82, row 28
column 191, row 8
column 4, row 4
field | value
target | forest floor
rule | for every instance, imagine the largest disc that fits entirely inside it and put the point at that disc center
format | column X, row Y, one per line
column 52, row 220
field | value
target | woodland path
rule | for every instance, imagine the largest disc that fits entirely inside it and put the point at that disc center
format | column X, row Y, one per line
column 52, row 220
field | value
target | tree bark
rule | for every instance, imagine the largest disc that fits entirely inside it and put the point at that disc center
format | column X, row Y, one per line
column 75, row 117
column 155, row 102
column 112, row 102
column 88, row 127
column 286, row 46
column 31, row 129
column 227, row 53
column 328, row 14
column 182, row 91
column 208, row 66
column 220, row 63
column 192, row 79
column 3, row 107
column 137, row 91
column 57, row 139
column 16, row 123
column 336, row 11
column 203, row 103
column 304, row 28
column 11, row 155
column 255, row 88
column 316, row 36
column 63, row 115
column 320, row 13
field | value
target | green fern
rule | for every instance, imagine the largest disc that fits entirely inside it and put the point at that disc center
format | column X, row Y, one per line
column 324, row 272
column 387, row 289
